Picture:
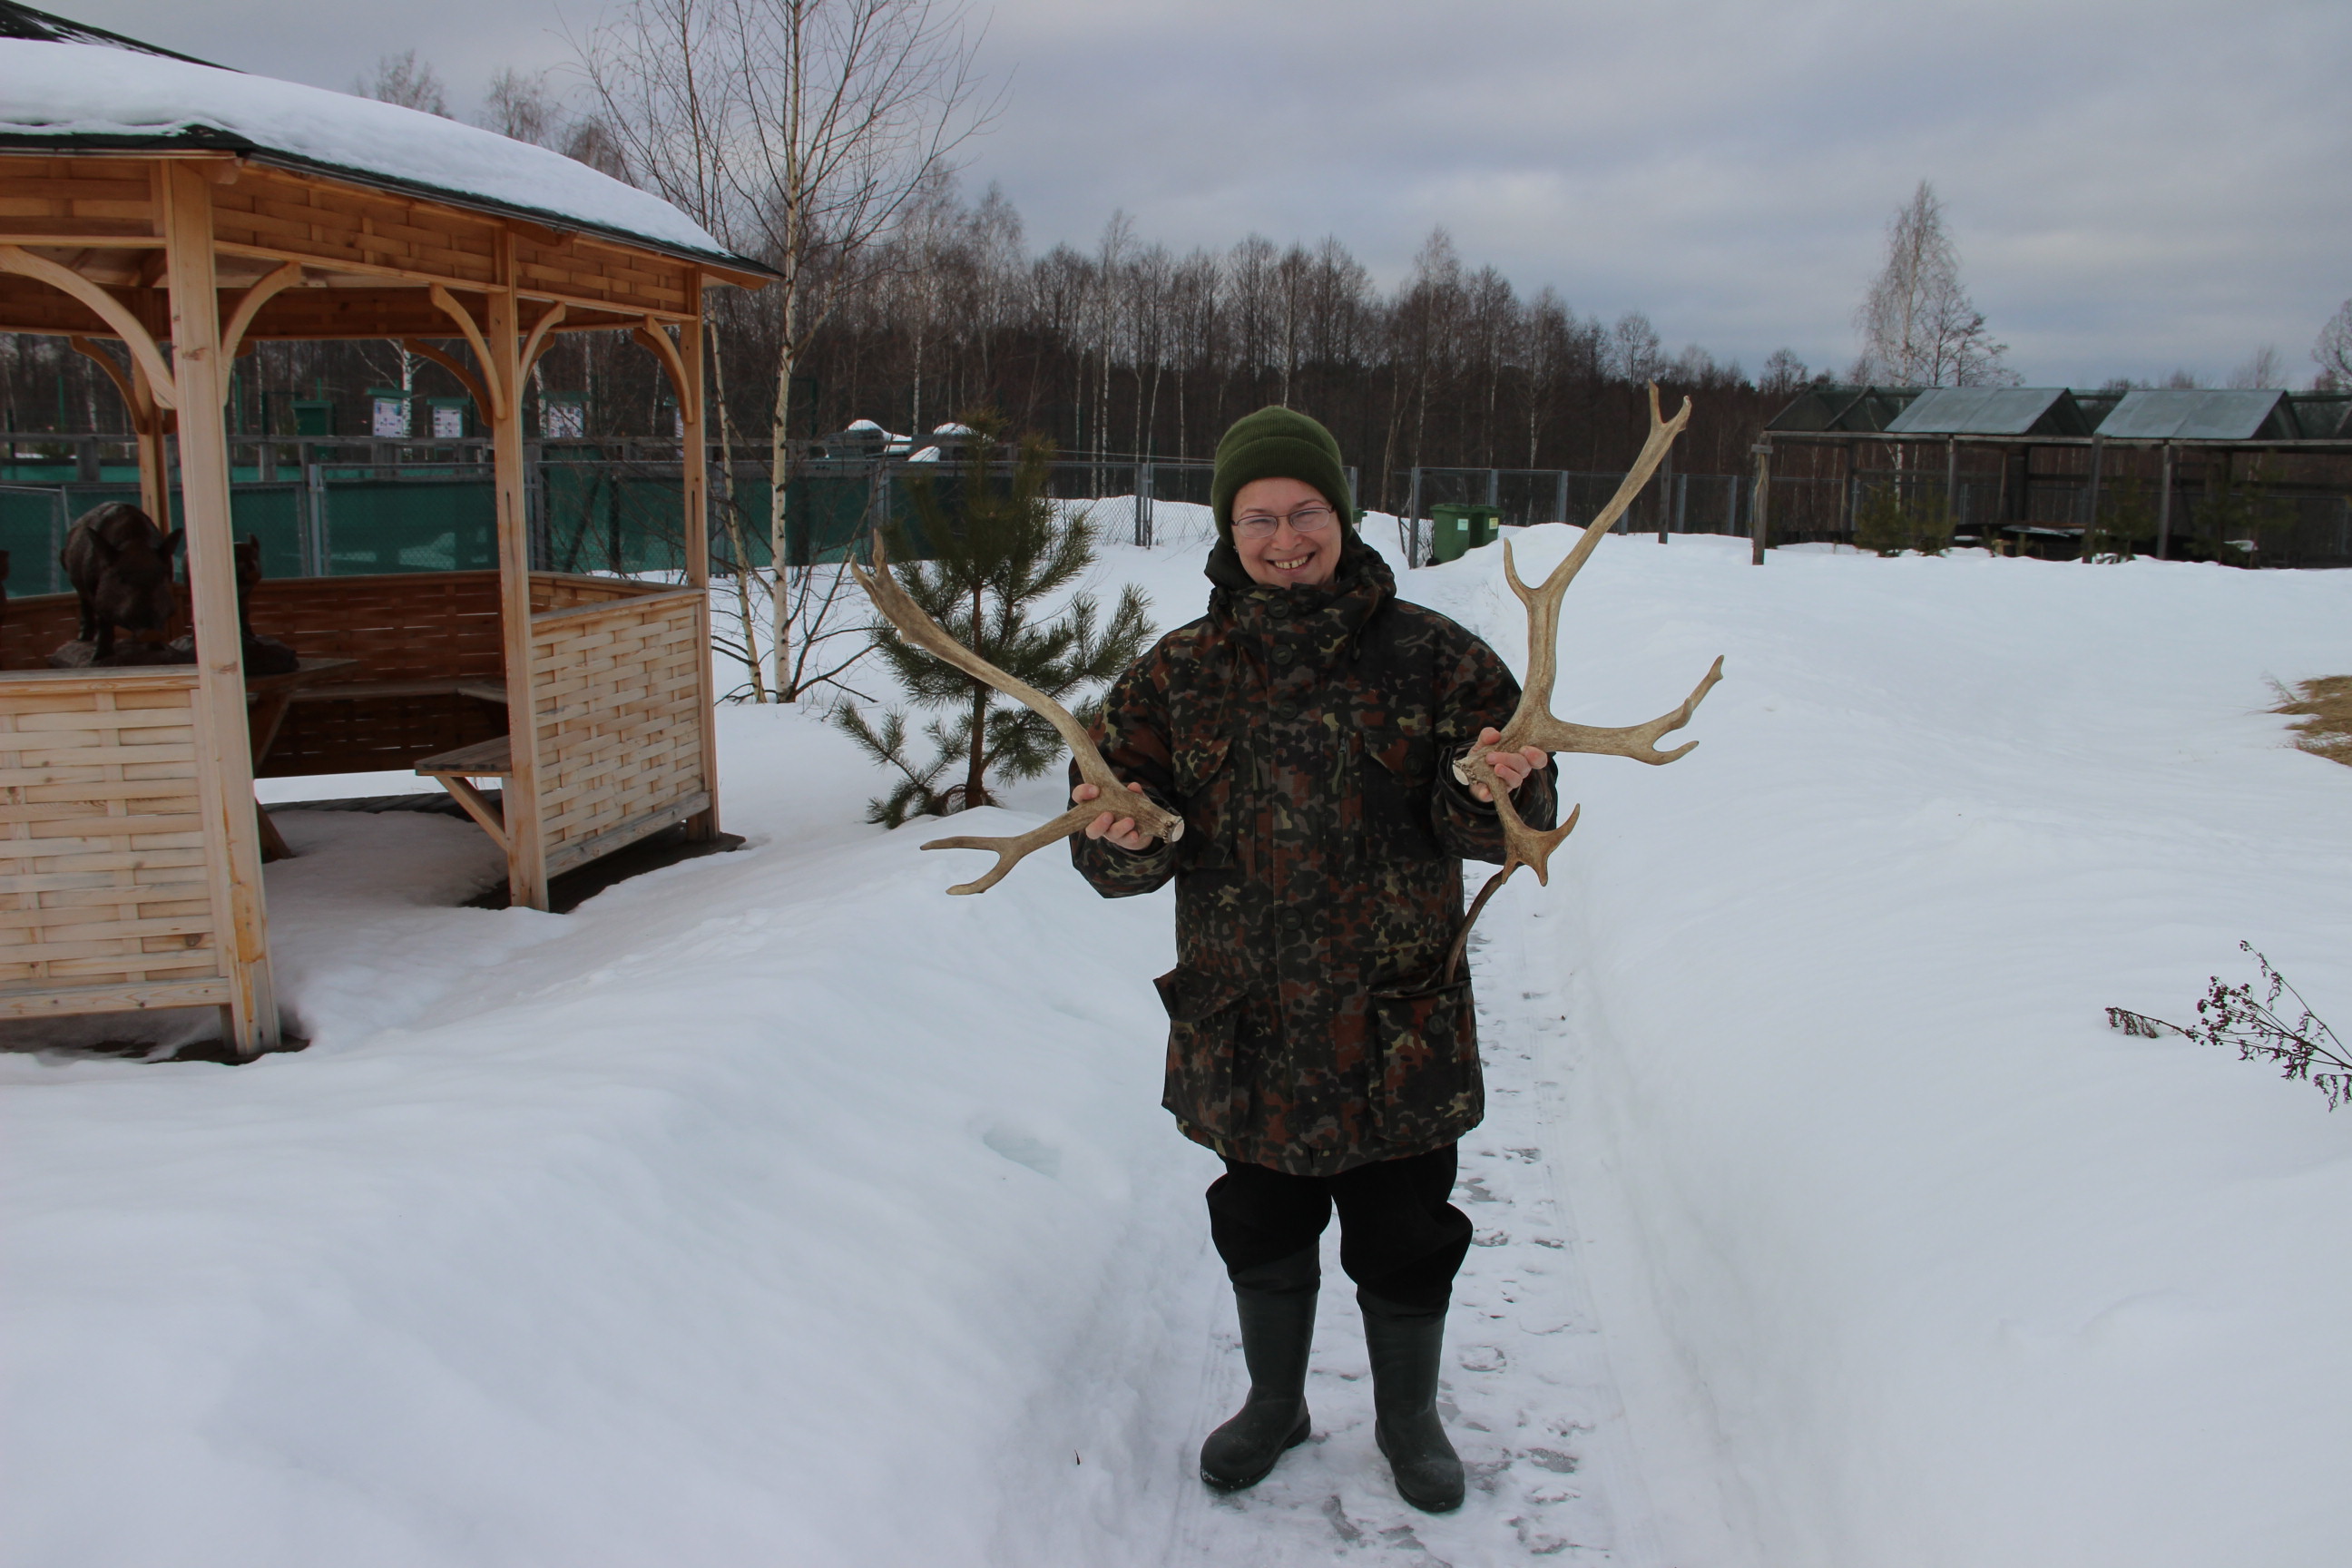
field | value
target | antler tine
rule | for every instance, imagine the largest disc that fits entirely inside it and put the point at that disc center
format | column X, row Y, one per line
column 917, row 627
column 1009, row 851
column 1638, row 741
column 1532, row 723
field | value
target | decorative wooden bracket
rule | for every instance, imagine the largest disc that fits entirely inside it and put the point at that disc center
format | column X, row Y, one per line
column 653, row 338
column 540, row 339
column 131, row 385
column 262, row 291
column 16, row 258
column 454, row 366
column 497, row 401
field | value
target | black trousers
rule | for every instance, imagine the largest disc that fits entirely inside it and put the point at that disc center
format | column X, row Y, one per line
column 1400, row 1239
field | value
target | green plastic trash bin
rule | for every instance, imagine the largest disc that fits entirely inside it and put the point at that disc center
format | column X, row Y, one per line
column 1456, row 529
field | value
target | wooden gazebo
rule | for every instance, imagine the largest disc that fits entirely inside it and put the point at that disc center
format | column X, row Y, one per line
column 244, row 210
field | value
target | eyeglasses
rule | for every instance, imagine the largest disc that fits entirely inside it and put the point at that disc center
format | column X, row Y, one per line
column 1307, row 520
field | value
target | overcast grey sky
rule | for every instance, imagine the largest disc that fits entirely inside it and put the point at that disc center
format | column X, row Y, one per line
column 2134, row 185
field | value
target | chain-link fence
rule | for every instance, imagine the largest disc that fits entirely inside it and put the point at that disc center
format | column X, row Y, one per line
column 338, row 508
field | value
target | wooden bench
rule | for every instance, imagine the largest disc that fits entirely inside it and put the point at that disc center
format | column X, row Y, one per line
column 456, row 770
column 485, row 690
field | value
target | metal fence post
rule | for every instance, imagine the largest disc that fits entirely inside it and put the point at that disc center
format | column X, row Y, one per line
column 1143, row 504
column 316, row 555
column 1559, row 495
column 1413, row 519
column 1763, row 514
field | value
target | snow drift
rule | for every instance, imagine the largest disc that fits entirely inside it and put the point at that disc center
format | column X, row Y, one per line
column 778, row 1207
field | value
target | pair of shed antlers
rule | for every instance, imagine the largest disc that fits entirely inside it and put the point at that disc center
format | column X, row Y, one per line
column 1531, row 725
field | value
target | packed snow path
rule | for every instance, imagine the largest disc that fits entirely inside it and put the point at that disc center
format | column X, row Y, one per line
column 1528, row 1394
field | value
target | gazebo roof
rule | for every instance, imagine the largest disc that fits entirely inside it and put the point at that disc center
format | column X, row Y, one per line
column 68, row 90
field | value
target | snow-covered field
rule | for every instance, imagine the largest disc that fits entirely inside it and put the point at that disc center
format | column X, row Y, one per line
column 779, row 1208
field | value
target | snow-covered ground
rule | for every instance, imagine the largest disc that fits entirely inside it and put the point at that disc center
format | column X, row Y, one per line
column 777, row 1207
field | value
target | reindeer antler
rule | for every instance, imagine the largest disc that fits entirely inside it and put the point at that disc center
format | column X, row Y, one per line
column 925, row 632
column 1533, row 724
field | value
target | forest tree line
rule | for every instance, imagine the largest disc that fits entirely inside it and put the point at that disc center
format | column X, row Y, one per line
column 1127, row 348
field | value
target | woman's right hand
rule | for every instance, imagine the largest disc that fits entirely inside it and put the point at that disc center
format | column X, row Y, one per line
column 1120, row 830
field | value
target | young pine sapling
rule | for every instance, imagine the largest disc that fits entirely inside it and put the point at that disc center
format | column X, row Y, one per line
column 998, row 559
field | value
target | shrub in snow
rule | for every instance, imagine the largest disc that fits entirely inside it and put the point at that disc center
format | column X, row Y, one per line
column 2235, row 1015
column 1889, row 525
column 997, row 560
column 2126, row 524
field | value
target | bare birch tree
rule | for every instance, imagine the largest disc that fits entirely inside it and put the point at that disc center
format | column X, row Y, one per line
column 402, row 80
column 1919, row 326
column 2333, row 351
column 797, row 131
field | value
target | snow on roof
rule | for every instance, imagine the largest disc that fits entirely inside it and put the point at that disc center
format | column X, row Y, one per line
column 97, row 95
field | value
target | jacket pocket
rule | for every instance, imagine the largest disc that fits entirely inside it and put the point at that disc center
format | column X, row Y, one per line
column 1205, row 1017
column 1401, row 771
column 1202, row 775
column 1426, row 1087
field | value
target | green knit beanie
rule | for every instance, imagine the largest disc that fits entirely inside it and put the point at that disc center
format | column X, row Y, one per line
column 1278, row 444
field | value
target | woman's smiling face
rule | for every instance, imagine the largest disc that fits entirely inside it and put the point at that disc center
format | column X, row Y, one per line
column 1286, row 558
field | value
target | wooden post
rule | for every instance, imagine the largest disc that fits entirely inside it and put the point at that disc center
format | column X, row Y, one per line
column 150, row 423
column 201, row 383
column 2164, row 510
column 2091, row 517
column 1666, row 495
column 703, row 825
column 1763, row 522
column 526, row 848
column 1849, row 482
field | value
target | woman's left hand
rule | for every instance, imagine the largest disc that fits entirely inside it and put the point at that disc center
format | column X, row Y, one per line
column 1511, row 767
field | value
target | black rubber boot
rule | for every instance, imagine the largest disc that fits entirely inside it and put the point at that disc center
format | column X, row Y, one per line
column 1405, row 1343
column 1276, row 1303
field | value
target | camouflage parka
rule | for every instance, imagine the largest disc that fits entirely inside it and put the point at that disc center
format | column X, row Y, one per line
column 1308, row 736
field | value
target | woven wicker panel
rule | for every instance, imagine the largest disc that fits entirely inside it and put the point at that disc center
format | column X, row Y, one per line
column 620, row 719
column 565, row 590
column 102, row 837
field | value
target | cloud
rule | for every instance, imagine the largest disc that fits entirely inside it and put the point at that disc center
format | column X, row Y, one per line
column 2134, row 185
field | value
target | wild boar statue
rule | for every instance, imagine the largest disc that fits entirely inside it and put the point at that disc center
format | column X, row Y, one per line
column 120, row 564
column 263, row 656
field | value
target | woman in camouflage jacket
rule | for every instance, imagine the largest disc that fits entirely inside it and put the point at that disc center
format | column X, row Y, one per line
column 1307, row 728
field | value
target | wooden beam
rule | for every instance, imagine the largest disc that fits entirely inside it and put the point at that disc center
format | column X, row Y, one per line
column 25, row 264
column 703, row 825
column 526, row 844
column 494, row 379
column 232, row 828
column 259, row 294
